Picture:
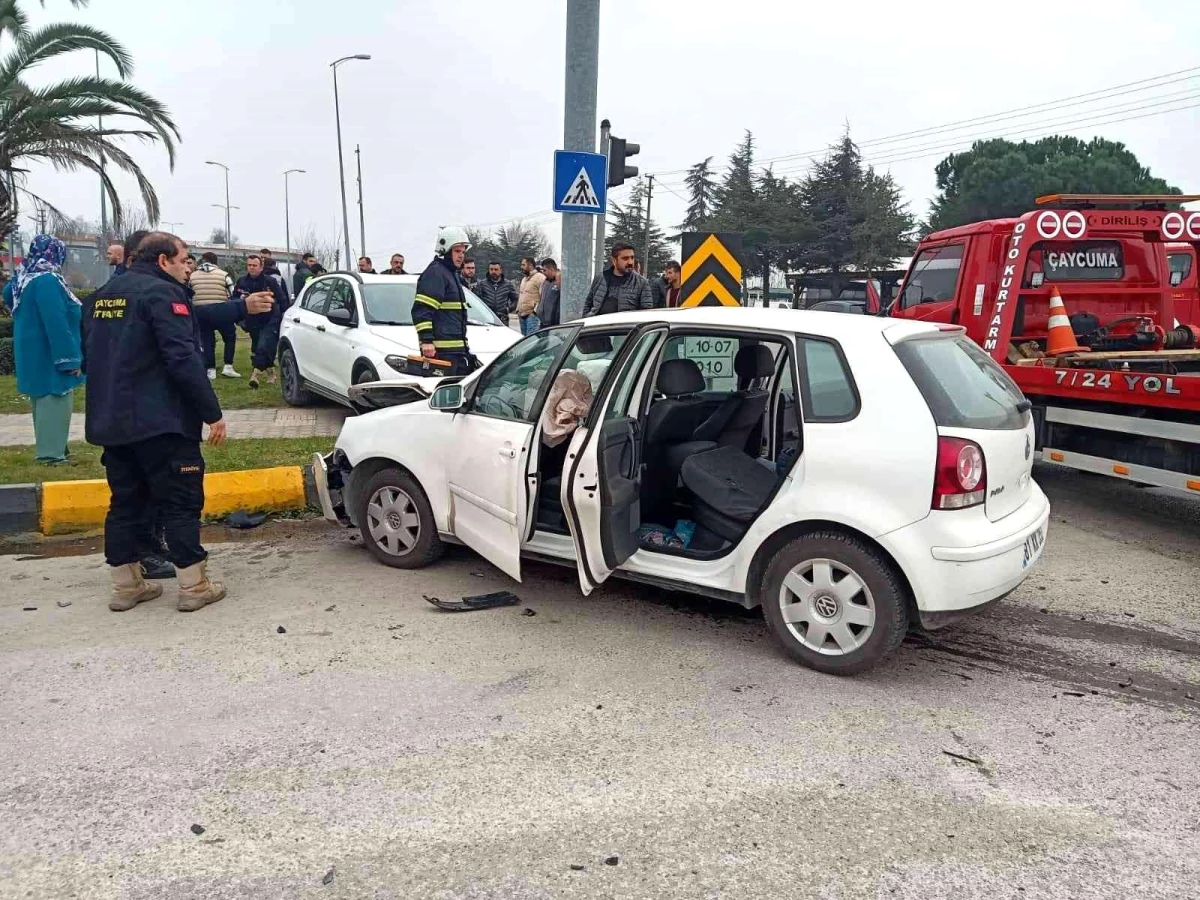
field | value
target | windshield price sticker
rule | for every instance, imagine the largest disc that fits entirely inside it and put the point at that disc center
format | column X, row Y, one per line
column 714, row 356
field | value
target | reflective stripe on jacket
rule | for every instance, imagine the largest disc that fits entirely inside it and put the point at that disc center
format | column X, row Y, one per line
column 439, row 313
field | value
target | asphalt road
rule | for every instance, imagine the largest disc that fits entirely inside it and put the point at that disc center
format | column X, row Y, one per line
column 658, row 743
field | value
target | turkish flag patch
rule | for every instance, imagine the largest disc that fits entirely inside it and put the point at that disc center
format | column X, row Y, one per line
column 180, row 309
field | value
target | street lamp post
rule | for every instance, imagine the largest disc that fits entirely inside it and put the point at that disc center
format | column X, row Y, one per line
column 228, row 233
column 337, row 112
column 172, row 225
column 287, row 216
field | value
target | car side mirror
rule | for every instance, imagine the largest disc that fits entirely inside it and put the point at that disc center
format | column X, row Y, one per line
column 448, row 398
column 341, row 316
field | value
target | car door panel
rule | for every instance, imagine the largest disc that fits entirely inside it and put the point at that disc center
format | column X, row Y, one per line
column 488, row 459
column 601, row 494
column 334, row 360
column 488, row 498
column 303, row 334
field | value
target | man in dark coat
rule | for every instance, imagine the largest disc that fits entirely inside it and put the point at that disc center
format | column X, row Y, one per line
column 264, row 327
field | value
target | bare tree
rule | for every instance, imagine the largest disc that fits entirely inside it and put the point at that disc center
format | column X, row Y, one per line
column 323, row 247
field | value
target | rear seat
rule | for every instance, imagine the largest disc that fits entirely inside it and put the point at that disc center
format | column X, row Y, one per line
column 729, row 489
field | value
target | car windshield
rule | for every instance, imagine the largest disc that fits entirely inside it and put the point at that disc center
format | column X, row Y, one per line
column 391, row 304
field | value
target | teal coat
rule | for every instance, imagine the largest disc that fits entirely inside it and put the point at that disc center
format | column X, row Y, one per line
column 46, row 338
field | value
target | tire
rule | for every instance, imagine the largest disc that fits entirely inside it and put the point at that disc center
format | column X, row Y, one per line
column 290, row 383
column 365, row 375
column 390, row 538
column 855, row 629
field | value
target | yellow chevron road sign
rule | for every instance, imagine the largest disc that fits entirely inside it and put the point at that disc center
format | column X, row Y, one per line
column 711, row 272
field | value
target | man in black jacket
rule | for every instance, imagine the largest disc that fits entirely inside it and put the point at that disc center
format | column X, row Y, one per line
column 148, row 397
column 619, row 288
column 303, row 272
column 497, row 292
column 264, row 327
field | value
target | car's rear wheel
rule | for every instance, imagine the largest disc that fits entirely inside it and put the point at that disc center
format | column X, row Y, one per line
column 291, row 385
column 396, row 521
column 834, row 603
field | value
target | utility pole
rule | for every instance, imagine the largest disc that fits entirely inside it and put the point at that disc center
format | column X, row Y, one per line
column 646, row 239
column 337, row 113
column 362, row 222
column 287, row 219
column 228, row 231
column 601, row 228
column 579, row 133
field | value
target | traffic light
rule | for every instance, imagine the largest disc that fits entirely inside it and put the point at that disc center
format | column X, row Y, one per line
column 619, row 150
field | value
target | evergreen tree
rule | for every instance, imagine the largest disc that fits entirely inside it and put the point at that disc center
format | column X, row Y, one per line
column 854, row 216
column 702, row 199
column 508, row 245
column 735, row 195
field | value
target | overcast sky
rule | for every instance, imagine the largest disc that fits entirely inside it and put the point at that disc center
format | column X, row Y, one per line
column 461, row 107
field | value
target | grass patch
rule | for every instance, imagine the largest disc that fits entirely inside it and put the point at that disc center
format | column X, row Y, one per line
column 233, row 393
column 17, row 465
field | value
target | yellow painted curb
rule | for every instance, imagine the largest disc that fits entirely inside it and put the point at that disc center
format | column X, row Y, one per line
column 79, row 505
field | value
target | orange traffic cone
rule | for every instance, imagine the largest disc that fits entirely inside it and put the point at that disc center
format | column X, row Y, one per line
column 1060, row 337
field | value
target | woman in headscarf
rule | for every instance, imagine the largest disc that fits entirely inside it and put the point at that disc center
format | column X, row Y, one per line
column 46, row 343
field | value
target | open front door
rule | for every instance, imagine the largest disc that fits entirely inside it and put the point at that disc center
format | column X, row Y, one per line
column 602, row 494
column 488, row 456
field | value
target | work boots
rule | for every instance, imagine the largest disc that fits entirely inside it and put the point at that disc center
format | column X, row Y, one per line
column 255, row 375
column 130, row 588
column 195, row 590
column 272, row 377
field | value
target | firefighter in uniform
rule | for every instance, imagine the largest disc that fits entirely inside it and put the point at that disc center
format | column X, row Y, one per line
column 148, row 397
column 439, row 311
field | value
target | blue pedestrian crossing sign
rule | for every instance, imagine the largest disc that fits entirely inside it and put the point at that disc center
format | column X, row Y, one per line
column 580, row 182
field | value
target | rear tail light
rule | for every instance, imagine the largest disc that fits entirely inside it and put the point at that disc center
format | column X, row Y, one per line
column 960, row 479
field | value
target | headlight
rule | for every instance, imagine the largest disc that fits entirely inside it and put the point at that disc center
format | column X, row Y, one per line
column 399, row 363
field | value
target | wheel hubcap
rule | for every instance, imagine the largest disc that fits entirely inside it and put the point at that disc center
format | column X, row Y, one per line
column 827, row 607
column 393, row 521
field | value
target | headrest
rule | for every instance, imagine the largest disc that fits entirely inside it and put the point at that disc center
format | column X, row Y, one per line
column 754, row 361
column 594, row 343
column 677, row 377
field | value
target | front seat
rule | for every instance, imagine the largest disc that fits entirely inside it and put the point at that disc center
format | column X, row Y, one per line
column 733, row 422
column 670, row 425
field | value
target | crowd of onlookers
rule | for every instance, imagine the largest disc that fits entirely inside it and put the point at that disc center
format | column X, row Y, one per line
column 536, row 298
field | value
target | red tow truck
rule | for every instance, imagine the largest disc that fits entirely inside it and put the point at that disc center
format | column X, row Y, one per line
column 1125, row 267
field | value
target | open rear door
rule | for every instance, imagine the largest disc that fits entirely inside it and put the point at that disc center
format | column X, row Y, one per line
column 602, row 494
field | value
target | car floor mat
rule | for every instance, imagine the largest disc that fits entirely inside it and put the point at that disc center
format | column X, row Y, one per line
column 477, row 601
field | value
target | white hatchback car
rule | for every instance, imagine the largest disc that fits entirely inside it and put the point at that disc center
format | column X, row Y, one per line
column 850, row 474
column 349, row 328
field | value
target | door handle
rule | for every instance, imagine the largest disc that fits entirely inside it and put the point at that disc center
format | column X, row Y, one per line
column 507, row 451
column 320, row 328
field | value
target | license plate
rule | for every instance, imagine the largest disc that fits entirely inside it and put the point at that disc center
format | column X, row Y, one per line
column 1033, row 548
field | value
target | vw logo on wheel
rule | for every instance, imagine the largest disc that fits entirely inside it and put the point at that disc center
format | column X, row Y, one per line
column 826, row 606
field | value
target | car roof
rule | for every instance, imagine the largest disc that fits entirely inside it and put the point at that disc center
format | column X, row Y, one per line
column 810, row 321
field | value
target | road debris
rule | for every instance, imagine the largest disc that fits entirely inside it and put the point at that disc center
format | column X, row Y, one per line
column 963, row 757
column 63, row 604
column 528, row 612
column 198, row 829
column 476, row 601
column 281, row 630
column 576, row 867
column 328, row 879
column 612, row 860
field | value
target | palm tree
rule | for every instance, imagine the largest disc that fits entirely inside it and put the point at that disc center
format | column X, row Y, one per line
column 57, row 124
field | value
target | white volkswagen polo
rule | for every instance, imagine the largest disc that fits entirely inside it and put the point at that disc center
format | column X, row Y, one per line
column 852, row 475
column 350, row 328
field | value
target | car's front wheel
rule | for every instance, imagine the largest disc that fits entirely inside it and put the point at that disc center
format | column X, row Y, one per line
column 834, row 603
column 397, row 522
column 291, row 385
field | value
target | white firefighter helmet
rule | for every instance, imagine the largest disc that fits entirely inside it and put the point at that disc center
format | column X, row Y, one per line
column 448, row 236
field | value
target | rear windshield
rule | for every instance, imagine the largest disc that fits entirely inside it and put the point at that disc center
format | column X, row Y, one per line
column 391, row 304
column 963, row 385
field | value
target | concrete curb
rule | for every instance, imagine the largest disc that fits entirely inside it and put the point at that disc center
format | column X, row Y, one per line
column 18, row 508
column 64, row 507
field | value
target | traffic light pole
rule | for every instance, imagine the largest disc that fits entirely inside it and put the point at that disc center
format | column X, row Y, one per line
column 579, row 133
column 601, row 233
